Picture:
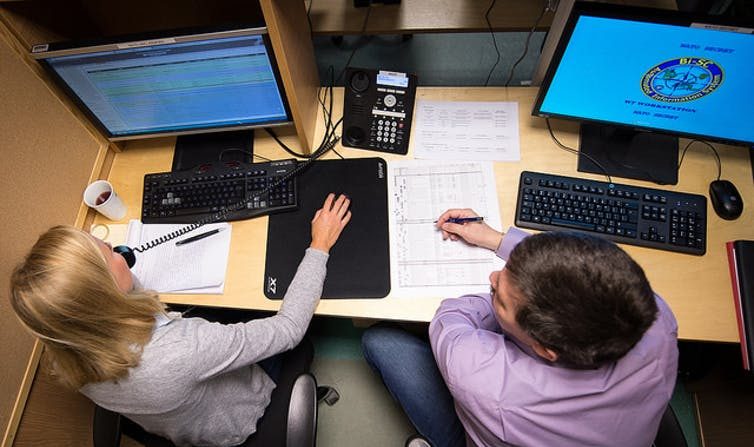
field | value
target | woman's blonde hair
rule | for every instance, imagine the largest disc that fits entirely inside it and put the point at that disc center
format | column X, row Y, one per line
column 65, row 294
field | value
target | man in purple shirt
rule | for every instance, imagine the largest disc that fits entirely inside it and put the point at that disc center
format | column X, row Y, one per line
column 570, row 348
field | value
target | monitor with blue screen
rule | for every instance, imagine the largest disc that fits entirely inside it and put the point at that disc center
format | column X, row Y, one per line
column 177, row 83
column 639, row 78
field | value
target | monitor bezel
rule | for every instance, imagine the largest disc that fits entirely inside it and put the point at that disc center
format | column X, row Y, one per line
column 43, row 52
column 660, row 16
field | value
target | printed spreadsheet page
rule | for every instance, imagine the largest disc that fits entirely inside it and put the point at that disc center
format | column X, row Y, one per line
column 422, row 264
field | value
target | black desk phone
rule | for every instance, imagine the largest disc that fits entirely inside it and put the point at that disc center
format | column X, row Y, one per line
column 377, row 110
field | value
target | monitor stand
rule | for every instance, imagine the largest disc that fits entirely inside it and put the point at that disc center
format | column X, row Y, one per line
column 629, row 153
column 194, row 150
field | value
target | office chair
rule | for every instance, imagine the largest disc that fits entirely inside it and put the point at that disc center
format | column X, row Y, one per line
column 301, row 426
column 670, row 433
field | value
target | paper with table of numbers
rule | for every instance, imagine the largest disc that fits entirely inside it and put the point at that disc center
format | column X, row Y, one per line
column 466, row 130
column 422, row 264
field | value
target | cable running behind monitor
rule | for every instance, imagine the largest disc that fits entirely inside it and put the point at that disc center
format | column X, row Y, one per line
column 639, row 78
column 175, row 83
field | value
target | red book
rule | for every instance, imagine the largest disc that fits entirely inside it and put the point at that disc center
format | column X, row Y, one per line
column 741, row 263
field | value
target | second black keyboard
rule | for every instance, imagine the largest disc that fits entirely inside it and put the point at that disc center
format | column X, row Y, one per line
column 647, row 217
column 194, row 194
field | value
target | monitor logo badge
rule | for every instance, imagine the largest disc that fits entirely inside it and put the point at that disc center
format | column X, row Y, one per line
column 682, row 79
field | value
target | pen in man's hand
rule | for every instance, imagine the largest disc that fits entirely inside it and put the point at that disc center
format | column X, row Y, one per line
column 198, row 237
column 463, row 220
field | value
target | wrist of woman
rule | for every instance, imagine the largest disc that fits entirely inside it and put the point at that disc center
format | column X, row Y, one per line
column 320, row 246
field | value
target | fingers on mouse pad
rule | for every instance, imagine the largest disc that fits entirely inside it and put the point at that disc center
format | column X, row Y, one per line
column 359, row 263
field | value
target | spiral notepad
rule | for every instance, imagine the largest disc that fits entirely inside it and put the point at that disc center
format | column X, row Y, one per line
column 198, row 267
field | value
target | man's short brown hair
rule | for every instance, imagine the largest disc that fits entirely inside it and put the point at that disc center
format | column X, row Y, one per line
column 580, row 296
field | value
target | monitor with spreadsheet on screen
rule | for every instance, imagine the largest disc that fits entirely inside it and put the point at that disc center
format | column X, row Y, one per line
column 173, row 83
column 638, row 78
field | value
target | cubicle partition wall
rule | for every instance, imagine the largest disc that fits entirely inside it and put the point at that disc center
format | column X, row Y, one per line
column 50, row 150
column 48, row 156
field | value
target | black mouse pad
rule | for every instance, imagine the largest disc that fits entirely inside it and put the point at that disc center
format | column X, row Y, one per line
column 359, row 264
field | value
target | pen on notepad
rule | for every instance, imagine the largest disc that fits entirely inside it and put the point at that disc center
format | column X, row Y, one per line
column 198, row 237
column 463, row 220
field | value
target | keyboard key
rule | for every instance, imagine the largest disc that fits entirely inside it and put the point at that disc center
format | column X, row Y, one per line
column 573, row 224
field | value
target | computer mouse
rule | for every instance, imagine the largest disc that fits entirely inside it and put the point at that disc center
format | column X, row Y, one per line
column 726, row 201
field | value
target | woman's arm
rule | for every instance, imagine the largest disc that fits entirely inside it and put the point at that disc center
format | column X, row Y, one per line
column 226, row 347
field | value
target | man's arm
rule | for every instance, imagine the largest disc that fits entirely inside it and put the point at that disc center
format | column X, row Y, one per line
column 511, row 238
column 463, row 325
column 456, row 329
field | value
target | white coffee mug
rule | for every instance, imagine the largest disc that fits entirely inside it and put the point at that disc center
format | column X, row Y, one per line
column 101, row 196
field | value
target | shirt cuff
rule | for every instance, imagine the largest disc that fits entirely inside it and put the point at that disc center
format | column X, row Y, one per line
column 317, row 254
column 512, row 237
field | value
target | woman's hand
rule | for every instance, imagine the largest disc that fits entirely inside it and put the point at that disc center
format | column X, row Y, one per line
column 475, row 233
column 329, row 222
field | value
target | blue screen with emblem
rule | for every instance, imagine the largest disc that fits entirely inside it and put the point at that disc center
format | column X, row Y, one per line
column 688, row 78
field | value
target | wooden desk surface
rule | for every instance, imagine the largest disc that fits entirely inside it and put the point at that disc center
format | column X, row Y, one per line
column 697, row 288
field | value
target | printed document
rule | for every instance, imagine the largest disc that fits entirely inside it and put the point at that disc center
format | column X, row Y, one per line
column 196, row 267
column 421, row 262
column 454, row 130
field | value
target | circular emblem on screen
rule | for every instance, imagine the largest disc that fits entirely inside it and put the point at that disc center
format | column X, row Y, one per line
column 682, row 79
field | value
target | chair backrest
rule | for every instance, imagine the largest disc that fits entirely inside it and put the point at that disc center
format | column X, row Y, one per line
column 302, row 413
column 670, row 433
column 301, row 428
column 106, row 427
column 109, row 426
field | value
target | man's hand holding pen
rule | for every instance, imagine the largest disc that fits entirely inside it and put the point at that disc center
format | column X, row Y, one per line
column 468, row 226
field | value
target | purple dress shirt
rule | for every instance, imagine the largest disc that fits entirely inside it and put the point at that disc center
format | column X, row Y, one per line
column 505, row 392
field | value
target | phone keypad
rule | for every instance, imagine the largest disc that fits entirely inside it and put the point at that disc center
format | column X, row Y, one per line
column 387, row 134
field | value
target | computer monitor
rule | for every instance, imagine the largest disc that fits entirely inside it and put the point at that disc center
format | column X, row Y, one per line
column 639, row 78
column 174, row 83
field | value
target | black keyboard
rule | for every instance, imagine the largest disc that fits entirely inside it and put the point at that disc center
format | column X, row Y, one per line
column 249, row 189
column 634, row 215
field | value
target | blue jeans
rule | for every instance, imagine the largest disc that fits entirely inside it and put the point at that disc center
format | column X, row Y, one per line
column 408, row 369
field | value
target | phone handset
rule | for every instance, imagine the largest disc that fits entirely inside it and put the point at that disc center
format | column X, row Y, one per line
column 129, row 254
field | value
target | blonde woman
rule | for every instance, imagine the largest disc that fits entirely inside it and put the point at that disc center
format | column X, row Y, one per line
column 189, row 380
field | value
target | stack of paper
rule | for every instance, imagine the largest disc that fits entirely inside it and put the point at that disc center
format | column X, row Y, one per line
column 421, row 262
column 196, row 267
